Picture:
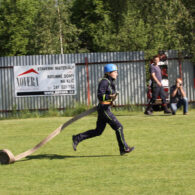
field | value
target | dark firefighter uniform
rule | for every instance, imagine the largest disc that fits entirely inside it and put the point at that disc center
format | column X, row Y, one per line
column 106, row 87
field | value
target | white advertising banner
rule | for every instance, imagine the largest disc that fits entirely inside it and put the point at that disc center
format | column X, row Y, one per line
column 45, row 80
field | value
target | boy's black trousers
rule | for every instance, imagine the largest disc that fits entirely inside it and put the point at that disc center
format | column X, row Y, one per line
column 105, row 116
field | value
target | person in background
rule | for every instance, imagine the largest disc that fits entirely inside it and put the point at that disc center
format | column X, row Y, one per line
column 178, row 97
column 156, row 86
column 106, row 95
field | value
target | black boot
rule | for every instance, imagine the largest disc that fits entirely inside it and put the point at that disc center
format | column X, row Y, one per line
column 75, row 142
column 148, row 110
column 166, row 110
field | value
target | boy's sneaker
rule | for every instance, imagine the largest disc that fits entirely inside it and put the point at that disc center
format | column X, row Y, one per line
column 74, row 142
column 128, row 150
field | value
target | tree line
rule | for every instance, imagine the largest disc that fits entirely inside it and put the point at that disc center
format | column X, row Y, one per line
column 72, row 26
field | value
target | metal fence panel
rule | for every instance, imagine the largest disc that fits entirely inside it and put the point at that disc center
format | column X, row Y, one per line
column 187, row 69
column 131, row 82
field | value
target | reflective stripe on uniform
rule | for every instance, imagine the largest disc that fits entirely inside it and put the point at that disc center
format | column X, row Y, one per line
column 107, row 115
column 106, row 102
column 104, row 97
column 119, row 130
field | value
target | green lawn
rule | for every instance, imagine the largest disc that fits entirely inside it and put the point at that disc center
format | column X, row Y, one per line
column 163, row 161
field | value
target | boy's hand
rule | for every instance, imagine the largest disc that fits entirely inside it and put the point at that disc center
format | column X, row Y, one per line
column 113, row 96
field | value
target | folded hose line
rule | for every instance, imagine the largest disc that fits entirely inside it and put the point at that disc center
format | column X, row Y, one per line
column 6, row 156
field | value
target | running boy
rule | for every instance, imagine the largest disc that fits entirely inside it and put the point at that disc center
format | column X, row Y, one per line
column 106, row 95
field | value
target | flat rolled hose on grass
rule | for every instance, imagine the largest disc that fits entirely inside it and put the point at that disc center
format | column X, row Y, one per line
column 7, row 157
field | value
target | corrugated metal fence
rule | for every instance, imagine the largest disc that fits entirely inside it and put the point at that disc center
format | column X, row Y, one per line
column 131, row 81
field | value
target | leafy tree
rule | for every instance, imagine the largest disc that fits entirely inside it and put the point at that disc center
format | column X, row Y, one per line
column 36, row 27
column 100, row 22
column 16, row 21
column 132, row 34
column 117, row 11
column 68, row 26
column 53, row 32
column 93, row 21
column 170, row 25
column 190, row 6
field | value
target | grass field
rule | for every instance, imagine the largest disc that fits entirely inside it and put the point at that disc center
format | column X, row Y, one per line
column 163, row 161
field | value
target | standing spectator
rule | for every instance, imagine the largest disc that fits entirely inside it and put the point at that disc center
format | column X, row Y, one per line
column 156, row 86
column 178, row 97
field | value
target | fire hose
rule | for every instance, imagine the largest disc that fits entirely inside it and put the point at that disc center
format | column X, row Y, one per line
column 7, row 157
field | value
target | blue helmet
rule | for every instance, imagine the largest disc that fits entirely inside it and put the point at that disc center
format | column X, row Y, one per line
column 110, row 68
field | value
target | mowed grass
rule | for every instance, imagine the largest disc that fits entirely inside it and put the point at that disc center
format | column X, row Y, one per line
column 163, row 161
